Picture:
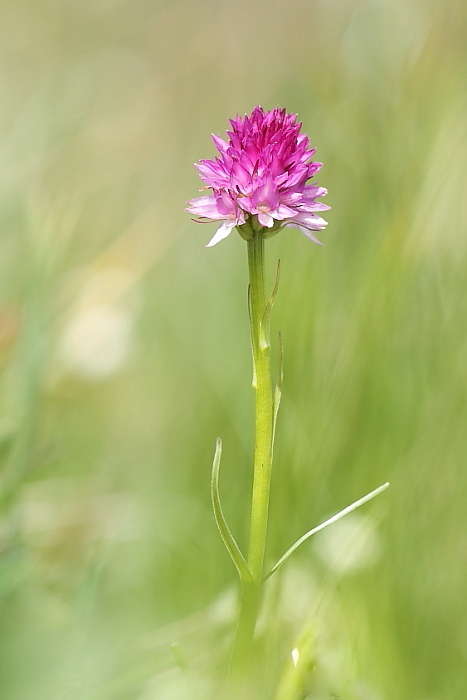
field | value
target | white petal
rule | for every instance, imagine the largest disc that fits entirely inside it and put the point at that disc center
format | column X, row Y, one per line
column 307, row 232
column 222, row 232
column 319, row 223
column 265, row 219
column 309, row 235
column 311, row 221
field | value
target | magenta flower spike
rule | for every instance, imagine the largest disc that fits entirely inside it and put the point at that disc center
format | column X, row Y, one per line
column 259, row 179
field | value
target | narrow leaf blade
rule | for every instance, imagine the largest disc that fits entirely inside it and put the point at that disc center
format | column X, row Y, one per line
column 227, row 537
column 335, row 518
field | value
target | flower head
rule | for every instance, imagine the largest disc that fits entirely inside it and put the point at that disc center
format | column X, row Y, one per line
column 260, row 178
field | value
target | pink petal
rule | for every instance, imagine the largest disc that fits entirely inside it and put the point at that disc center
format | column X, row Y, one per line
column 283, row 212
column 224, row 203
column 313, row 168
column 266, row 194
column 207, row 168
column 313, row 191
column 313, row 206
column 204, row 206
column 240, row 175
column 219, row 143
column 246, row 204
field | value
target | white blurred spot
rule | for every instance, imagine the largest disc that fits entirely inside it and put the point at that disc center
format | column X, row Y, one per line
column 96, row 342
column 364, row 691
column 109, row 286
column 295, row 654
column 299, row 588
column 172, row 684
column 350, row 544
column 224, row 607
column 56, row 509
column 97, row 337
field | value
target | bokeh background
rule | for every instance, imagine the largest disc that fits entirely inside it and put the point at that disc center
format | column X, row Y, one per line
column 124, row 349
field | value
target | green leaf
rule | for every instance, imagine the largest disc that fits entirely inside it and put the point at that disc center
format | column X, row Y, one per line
column 334, row 519
column 227, row 537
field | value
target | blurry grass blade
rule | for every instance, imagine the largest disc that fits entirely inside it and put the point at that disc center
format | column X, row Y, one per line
column 265, row 321
column 332, row 520
column 179, row 656
column 11, row 570
column 227, row 537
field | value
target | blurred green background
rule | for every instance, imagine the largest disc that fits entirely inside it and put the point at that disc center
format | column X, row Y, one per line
column 124, row 348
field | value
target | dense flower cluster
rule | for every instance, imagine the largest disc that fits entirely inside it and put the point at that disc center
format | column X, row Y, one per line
column 259, row 178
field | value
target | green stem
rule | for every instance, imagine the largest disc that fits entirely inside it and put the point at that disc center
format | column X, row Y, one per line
column 264, row 422
column 241, row 660
column 264, row 409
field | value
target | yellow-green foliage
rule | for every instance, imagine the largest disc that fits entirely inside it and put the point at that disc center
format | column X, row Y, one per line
column 124, row 350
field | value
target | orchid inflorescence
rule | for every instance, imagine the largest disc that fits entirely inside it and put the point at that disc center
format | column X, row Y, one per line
column 260, row 185
column 260, row 178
